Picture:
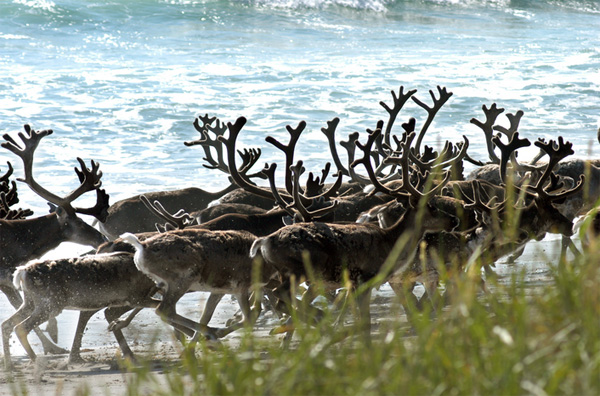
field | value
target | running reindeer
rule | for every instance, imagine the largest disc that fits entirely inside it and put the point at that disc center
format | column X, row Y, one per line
column 24, row 239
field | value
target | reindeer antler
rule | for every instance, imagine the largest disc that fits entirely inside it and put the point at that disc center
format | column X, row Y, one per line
column 179, row 220
column 508, row 150
column 556, row 152
column 350, row 147
column 490, row 118
column 303, row 212
column 4, row 178
column 10, row 214
column 366, row 161
column 89, row 178
column 238, row 177
column 207, row 143
column 399, row 102
column 431, row 111
column 314, row 185
column 288, row 150
column 329, row 133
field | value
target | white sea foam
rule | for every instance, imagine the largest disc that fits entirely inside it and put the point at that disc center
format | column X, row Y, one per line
column 45, row 5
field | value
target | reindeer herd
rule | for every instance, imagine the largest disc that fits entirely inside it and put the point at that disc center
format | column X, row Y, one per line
column 397, row 211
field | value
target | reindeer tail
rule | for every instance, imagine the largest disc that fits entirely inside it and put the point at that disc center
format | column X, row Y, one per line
column 19, row 277
column 255, row 248
column 132, row 240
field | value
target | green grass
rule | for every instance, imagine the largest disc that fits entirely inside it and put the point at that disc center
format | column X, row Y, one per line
column 514, row 340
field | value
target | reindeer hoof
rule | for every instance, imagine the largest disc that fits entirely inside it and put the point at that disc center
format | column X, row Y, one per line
column 54, row 349
column 233, row 321
column 52, row 329
column 285, row 328
column 211, row 334
column 75, row 359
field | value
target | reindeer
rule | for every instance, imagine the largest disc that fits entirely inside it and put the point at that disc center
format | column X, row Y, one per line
column 86, row 283
column 130, row 215
column 24, row 239
column 199, row 260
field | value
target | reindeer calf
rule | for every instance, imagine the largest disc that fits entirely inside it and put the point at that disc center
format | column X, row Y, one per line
column 86, row 283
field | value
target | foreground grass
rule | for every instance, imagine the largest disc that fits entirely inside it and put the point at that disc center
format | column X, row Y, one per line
column 514, row 340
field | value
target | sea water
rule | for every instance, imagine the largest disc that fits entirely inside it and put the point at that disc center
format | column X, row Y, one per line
column 121, row 81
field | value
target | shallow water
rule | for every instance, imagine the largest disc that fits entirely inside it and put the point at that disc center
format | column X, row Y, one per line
column 121, row 81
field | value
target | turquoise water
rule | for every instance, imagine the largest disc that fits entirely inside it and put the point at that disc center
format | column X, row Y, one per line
column 121, row 81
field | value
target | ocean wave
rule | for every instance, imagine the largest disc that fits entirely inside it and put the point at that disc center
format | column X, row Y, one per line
column 70, row 11
column 370, row 5
column 588, row 6
column 45, row 5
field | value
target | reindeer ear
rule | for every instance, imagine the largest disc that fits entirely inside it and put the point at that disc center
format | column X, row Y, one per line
column 60, row 212
column 52, row 207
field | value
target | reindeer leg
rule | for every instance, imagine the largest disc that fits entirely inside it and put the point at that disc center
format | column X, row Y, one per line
column 303, row 309
column 48, row 346
column 270, row 301
column 75, row 354
column 40, row 314
column 282, row 294
column 15, row 300
column 210, row 306
column 364, row 314
column 52, row 329
column 517, row 253
column 432, row 296
column 112, row 314
column 566, row 244
column 13, row 296
column 167, row 312
column 8, row 325
column 405, row 295
column 341, row 306
column 254, row 310
column 307, row 312
column 257, row 298
column 116, row 324
column 244, row 301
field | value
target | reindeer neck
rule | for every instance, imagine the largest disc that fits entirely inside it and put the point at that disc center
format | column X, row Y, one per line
column 407, row 223
column 24, row 247
column 226, row 190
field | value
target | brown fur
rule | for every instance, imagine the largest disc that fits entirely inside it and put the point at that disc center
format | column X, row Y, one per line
column 86, row 283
